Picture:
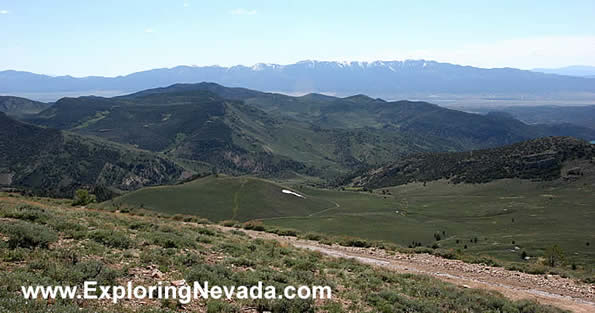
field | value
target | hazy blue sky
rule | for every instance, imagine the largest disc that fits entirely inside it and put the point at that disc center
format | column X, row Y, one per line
column 118, row 37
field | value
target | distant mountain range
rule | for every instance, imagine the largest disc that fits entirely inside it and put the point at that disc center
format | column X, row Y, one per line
column 387, row 79
column 574, row 70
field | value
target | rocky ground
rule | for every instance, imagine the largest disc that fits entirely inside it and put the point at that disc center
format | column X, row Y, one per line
column 547, row 289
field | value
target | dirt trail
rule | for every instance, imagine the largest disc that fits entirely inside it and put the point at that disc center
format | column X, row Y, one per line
column 21, row 200
column 551, row 289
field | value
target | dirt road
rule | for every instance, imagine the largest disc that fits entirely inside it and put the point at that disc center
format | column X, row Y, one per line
column 546, row 289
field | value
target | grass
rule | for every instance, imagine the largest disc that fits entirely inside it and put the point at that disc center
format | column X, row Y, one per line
column 507, row 217
column 222, row 197
column 499, row 220
column 178, row 250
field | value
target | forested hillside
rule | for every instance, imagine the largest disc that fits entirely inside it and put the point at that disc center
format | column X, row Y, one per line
column 239, row 131
column 51, row 162
column 539, row 159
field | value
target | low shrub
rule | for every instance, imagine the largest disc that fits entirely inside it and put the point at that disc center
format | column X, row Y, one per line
column 285, row 305
column 232, row 249
column 238, row 233
column 254, row 225
column 203, row 221
column 71, row 230
column 27, row 235
column 76, row 274
column 218, row 306
column 537, row 269
column 206, row 231
column 286, row 232
column 230, row 223
column 66, row 226
column 354, row 242
column 30, row 214
column 242, row 261
column 162, row 257
column 326, row 241
column 139, row 225
column 14, row 255
column 169, row 239
column 483, row 260
column 419, row 250
column 211, row 273
column 112, row 239
column 188, row 260
column 312, row 236
column 96, row 271
column 447, row 254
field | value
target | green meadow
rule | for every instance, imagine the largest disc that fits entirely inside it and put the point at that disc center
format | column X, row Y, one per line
column 223, row 197
column 501, row 219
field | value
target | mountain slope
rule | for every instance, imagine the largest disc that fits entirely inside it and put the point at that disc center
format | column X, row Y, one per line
column 197, row 125
column 539, row 159
column 241, row 131
column 20, row 106
column 55, row 163
column 577, row 115
column 379, row 78
column 224, row 197
column 574, row 70
column 410, row 117
column 193, row 125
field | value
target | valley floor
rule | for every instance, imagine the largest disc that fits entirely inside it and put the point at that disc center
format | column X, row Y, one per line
column 509, row 221
column 500, row 219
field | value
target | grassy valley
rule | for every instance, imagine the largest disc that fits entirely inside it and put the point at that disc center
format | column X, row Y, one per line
column 501, row 219
column 505, row 217
column 499, row 202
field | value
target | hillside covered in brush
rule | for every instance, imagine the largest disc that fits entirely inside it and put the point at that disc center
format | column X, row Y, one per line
column 239, row 131
column 53, row 162
column 408, row 117
column 539, row 159
column 20, row 106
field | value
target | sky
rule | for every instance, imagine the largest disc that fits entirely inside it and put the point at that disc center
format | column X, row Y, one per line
column 109, row 38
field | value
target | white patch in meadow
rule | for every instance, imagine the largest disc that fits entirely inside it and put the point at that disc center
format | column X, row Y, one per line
column 292, row 193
